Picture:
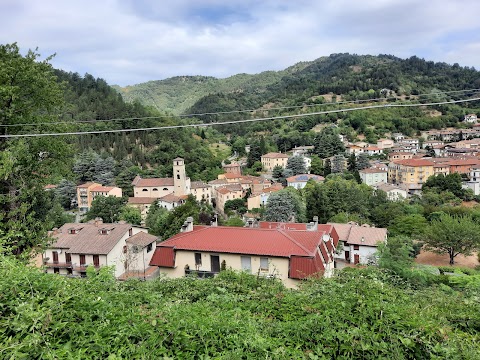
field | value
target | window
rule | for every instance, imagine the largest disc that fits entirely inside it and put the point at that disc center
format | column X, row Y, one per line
column 264, row 263
column 198, row 259
column 154, row 189
column 356, row 247
column 178, row 176
column 144, row 189
column 149, row 247
column 124, row 249
column 82, row 260
column 246, row 263
column 55, row 257
column 165, row 189
column 68, row 258
column 56, row 270
column 96, row 260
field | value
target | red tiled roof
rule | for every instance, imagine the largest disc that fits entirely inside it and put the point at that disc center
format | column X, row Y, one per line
column 273, row 155
column 282, row 225
column 414, row 162
column 141, row 200
column 87, row 184
column 198, row 185
column 102, row 188
column 250, row 241
column 152, row 182
column 171, row 198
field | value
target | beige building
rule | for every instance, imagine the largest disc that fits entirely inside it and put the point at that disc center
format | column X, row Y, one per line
column 78, row 246
column 257, row 200
column 87, row 192
column 287, row 255
column 141, row 203
column 270, row 160
column 227, row 192
column 201, row 191
column 385, row 143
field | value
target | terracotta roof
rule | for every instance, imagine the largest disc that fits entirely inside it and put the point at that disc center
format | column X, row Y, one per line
column 88, row 239
column 304, row 178
column 229, row 188
column 414, row 162
column 231, row 176
column 232, row 165
column 141, row 200
column 102, row 188
column 252, row 241
column 172, row 198
column 87, row 184
column 141, row 239
column 152, row 182
column 360, row 235
column 373, row 148
column 282, row 225
column 273, row 155
column 463, row 162
column 218, row 182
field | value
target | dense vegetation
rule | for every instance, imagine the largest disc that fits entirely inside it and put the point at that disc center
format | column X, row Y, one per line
column 359, row 314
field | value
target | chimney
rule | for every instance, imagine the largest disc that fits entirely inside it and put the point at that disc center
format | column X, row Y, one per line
column 187, row 225
column 98, row 221
column 313, row 226
column 214, row 221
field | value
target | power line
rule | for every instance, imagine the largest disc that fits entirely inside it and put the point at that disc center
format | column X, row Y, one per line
column 236, row 121
column 473, row 91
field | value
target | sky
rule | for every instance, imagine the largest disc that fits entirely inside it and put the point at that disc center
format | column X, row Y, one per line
column 127, row 42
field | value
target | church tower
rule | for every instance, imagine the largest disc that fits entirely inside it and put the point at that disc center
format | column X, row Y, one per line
column 180, row 181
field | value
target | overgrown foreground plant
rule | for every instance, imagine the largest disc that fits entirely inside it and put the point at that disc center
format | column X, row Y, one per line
column 361, row 313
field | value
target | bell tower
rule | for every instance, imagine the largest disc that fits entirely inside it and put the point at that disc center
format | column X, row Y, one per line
column 179, row 177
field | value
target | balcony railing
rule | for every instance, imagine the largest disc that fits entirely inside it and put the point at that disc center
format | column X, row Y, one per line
column 64, row 265
column 83, row 267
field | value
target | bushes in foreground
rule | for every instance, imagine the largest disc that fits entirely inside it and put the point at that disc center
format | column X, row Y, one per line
column 361, row 313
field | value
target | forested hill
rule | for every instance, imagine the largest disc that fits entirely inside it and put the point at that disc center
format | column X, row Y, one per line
column 353, row 76
column 178, row 94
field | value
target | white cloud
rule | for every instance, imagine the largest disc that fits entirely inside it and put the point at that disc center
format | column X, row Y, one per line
column 128, row 42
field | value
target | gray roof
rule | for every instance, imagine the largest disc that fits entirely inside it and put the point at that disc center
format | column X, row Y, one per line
column 88, row 239
column 142, row 239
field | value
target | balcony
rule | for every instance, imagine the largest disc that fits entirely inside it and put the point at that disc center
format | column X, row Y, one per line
column 83, row 267
column 58, row 265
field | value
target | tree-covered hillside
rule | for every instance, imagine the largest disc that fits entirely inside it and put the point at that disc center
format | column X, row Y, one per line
column 178, row 94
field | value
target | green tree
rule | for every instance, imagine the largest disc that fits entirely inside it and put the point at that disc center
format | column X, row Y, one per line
column 317, row 165
column 296, row 164
column 411, row 225
column 363, row 161
column 352, row 163
column 285, row 205
column 29, row 93
column 440, row 183
column 338, row 163
column 156, row 219
column 396, row 253
column 236, row 205
column 131, row 215
column 328, row 143
column 277, row 173
column 66, row 193
column 453, row 235
column 234, row 221
column 109, row 208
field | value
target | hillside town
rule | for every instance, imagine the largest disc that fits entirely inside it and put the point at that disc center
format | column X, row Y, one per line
column 291, row 251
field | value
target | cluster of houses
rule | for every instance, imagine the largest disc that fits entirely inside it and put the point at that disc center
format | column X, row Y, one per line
column 290, row 252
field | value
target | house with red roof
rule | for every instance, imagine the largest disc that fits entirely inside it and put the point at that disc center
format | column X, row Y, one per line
column 358, row 244
column 290, row 255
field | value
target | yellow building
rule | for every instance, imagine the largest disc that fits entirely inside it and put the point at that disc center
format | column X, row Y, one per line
column 270, row 160
column 413, row 173
column 87, row 192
